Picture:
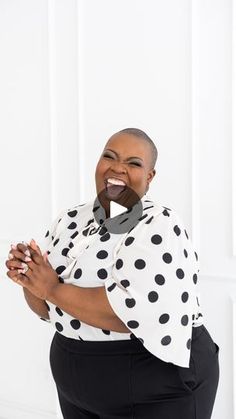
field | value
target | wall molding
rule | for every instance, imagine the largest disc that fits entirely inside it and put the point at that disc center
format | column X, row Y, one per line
column 195, row 155
column 233, row 301
column 233, row 127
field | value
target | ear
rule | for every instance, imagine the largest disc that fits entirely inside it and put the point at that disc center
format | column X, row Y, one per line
column 151, row 175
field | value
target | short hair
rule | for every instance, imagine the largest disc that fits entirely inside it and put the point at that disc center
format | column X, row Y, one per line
column 141, row 134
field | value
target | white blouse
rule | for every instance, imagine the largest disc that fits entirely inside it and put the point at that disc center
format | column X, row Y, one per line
column 150, row 275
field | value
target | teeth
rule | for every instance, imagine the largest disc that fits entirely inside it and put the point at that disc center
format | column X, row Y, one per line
column 114, row 181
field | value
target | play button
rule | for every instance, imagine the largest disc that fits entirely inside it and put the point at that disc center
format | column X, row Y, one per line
column 116, row 209
column 123, row 212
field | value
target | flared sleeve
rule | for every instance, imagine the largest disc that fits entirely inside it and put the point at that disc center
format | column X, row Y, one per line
column 153, row 286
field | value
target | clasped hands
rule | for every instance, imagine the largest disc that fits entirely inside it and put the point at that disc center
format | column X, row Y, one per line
column 31, row 269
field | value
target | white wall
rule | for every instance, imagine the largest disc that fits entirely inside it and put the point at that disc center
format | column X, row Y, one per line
column 74, row 72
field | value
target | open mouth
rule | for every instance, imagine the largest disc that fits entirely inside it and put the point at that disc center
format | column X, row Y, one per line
column 114, row 187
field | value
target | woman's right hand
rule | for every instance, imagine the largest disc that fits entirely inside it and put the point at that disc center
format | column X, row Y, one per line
column 21, row 255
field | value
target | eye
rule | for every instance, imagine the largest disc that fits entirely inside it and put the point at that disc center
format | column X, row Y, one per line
column 134, row 163
column 108, row 155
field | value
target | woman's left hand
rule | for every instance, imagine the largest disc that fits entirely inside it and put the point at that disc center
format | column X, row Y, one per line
column 40, row 278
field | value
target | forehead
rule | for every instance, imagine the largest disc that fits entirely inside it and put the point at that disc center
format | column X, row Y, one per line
column 130, row 145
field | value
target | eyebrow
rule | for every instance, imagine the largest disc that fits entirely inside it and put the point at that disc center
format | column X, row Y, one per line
column 129, row 158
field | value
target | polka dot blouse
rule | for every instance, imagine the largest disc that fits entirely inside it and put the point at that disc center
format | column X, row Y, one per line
column 150, row 275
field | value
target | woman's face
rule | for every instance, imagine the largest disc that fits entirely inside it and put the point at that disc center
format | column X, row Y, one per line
column 125, row 160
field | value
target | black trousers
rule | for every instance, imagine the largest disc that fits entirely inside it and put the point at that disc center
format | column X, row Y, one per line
column 122, row 380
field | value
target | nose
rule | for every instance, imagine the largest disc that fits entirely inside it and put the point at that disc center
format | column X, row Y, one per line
column 118, row 167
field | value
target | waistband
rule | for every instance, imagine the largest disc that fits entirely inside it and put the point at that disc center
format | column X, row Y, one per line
column 109, row 347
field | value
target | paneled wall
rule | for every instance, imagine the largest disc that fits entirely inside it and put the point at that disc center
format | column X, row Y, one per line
column 74, row 72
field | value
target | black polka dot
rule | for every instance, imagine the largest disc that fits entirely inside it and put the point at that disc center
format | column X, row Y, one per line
column 149, row 220
column 75, row 324
column 184, row 320
column 102, row 273
column 47, row 234
column 111, row 287
column 59, row 312
column 101, row 221
column 65, row 251
column 130, row 302
column 105, row 237
column 166, row 213
column 164, row 318
column 133, row 324
column 189, row 343
column 160, row 280
column 125, row 283
column 186, row 233
column 55, row 242
column 71, row 245
column 184, row 296
column 72, row 213
column 180, row 273
column 177, row 230
column 132, row 336
column 102, row 254
column 72, row 226
column 166, row 340
column 60, row 269
column 167, row 258
column 102, row 231
column 139, row 264
column 198, row 301
column 74, row 235
column 196, row 256
column 156, row 239
column 59, row 326
column 185, row 253
column 129, row 241
column 61, row 280
column 119, row 263
column 195, row 278
column 90, row 221
column 85, row 232
column 153, row 296
column 143, row 216
column 78, row 273
column 106, row 332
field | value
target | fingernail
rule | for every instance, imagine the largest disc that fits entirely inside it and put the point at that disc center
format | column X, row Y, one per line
column 33, row 241
column 24, row 265
column 27, row 252
column 20, row 271
column 10, row 256
column 13, row 246
column 27, row 259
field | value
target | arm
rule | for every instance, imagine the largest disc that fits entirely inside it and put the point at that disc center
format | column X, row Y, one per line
column 90, row 305
column 37, row 305
column 40, row 283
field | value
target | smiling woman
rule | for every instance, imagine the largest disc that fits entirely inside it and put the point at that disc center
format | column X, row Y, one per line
column 124, row 301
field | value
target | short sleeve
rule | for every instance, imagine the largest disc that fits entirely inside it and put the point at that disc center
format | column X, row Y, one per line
column 52, row 232
column 152, row 288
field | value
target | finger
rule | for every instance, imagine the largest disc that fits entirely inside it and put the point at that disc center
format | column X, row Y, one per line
column 11, row 264
column 15, row 276
column 35, row 256
column 21, row 256
column 23, row 247
column 35, row 247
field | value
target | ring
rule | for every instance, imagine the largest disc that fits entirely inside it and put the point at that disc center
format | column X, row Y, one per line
column 25, row 269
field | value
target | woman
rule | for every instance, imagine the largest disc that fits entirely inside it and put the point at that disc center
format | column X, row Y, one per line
column 130, row 340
